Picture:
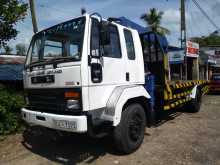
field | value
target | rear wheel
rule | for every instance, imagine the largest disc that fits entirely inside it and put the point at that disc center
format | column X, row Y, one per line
column 129, row 134
column 195, row 104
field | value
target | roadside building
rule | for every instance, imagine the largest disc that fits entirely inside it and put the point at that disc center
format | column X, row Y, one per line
column 211, row 60
column 182, row 66
column 207, row 61
column 176, row 61
column 11, row 67
column 192, row 60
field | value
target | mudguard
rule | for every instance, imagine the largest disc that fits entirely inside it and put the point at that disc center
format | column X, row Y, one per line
column 118, row 98
column 194, row 90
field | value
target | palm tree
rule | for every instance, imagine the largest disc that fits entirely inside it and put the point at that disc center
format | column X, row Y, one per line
column 153, row 19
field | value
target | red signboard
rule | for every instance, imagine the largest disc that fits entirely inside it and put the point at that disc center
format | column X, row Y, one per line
column 192, row 49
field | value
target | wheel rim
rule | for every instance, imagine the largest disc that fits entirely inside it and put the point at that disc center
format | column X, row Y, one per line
column 135, row 127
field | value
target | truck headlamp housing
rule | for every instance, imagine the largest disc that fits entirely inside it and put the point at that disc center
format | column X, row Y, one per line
column 73, row 104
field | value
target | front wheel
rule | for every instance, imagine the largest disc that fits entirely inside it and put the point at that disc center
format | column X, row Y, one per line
column 129, row 134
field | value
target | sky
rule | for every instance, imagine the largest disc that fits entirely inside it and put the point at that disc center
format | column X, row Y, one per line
column 51, row 12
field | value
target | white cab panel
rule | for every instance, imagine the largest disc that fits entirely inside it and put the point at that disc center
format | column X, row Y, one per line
column 64, row 77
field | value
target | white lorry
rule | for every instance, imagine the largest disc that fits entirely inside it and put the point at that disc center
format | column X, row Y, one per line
column 89, row 75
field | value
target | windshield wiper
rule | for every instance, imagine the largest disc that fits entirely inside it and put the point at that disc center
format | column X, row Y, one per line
column 63, row 59
column 51, row 61
column 36, row 63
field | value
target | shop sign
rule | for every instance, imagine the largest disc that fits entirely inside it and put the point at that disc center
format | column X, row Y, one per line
column 176, row 56
column 192, row 49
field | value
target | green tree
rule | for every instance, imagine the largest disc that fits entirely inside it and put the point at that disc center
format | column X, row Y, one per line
column 8, row 49
column 21, row 49
column 11, row 11
column 153, row 19
column 210, row 40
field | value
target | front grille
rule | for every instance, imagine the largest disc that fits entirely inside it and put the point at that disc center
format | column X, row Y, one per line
column 47, row 100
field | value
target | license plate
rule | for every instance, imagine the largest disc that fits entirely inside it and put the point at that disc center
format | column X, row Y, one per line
column 65, row 124
column 42, row 79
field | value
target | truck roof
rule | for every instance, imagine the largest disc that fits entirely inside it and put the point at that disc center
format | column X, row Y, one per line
column 130, row 24
column 141, row 30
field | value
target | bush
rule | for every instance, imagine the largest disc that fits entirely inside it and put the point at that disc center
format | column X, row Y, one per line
column 11, row 101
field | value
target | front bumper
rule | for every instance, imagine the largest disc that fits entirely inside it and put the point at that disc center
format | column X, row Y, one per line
column 49, row 120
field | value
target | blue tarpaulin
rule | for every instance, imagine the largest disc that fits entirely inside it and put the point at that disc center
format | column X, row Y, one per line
column 128, row 23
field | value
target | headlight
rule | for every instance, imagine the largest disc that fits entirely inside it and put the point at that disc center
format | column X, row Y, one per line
column 73, row 104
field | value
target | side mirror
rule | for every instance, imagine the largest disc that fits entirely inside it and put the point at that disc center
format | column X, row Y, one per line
column 104, row 34
column 96, row 72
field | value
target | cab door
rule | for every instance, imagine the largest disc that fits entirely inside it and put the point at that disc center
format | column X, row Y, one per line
column 112, row 72
column 132, row 66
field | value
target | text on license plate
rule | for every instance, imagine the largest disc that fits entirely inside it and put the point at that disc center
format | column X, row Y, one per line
column 65, row 124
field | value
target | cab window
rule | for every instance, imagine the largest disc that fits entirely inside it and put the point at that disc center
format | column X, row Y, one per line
column 129, row 44
column 113, row 49
column 95, row 38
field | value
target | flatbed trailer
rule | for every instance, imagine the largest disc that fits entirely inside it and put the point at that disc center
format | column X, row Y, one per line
column 177, row 93
column 169, row 94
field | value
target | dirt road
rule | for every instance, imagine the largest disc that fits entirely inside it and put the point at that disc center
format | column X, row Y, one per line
column 184, row 138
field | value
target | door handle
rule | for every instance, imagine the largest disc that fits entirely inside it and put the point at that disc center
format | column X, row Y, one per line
column 127, row 76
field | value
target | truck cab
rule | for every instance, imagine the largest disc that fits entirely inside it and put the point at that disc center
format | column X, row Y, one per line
column 97, row 76
column 81, row 75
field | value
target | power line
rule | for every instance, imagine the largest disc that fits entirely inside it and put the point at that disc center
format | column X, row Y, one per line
column 205, row 14
column 193, row 22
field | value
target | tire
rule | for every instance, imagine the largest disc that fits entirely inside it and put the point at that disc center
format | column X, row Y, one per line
column 195, row 104
column 129, row 134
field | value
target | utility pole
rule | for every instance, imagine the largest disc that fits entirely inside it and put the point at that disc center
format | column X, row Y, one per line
column 33, row 15
column 183, row 24
column 183, row 33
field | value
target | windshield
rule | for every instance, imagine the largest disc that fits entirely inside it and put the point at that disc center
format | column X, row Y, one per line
column 63, row 41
